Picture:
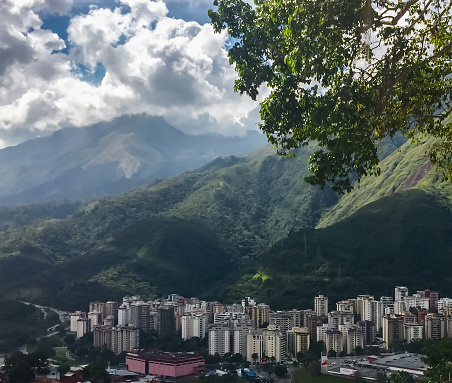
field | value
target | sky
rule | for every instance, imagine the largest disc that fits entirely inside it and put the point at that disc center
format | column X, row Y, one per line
column 74, row 63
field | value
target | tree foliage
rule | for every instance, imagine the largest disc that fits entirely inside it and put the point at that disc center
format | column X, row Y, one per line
column 438, row 356
column 345, row 74
column 21, row 368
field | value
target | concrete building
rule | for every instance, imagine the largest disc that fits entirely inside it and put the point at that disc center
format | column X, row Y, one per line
column 166, row 321
column 102, row 336
column 433, row 297
column 302, row 338
column 400, row 292
column 443, row 302
column 123, row 315
column 368, row 328
column 321, row 332
column 259, row 314
column 336, row 318
column 435, row 326
column 264, row 342
column 74, row 317
column 417, row 301
column 124, row 338
column 219, row 339
column 194, row 325
column 282, row 320
column 240, row 334
column 95, row 318
column 346, row 306
column 273, row 344
column 413, row 332
column 305, row 318
column 334, row 340
column 321, row 306
column 166, row 364
column 111, row 308
column 100, row 307
column 83, row 326
column 354, row 338
column 140, row 315
column 392, row 330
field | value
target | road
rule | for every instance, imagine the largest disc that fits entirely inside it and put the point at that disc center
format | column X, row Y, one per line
column 63, row 315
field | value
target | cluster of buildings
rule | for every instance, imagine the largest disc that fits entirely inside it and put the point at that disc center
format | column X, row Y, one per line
column 257, row 333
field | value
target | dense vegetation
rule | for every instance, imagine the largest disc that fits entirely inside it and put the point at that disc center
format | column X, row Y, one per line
column 145, row 241
column 383, row 244
column 241, row 226
column 20, row 323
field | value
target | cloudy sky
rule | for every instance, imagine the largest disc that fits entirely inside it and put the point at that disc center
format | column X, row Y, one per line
column 77, row 62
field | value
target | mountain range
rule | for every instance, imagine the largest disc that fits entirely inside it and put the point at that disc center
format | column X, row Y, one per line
column 107, row 158
column 239, row 225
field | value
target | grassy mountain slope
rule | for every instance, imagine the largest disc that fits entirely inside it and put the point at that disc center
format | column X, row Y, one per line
column 187, row 234
column 404, row 238
column 406, row 168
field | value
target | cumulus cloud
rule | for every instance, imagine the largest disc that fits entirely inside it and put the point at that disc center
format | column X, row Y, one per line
column 152, row 63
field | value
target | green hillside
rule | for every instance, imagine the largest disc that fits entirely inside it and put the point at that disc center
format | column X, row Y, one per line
column 402, row 239
column 186, row 234
column 242, row 226
column 406, row 168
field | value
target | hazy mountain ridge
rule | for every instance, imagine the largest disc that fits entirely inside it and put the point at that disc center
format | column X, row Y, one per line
column 107, row 159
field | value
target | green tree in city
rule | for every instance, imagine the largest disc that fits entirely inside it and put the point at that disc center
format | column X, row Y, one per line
column 96, row 373
column 438, row 357
column 280, row 370
column 400, row 377
column 344, row 74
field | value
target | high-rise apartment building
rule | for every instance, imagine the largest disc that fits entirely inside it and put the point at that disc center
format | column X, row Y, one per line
column 321, row 306
column 392, row 330
column 194, row 325
column 435, row 326
column 400, row 292
column 259, row 314
column 219, row 339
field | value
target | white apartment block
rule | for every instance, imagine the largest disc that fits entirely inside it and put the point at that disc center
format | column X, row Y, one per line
column 321, row 332
column 124, row 338
column 346, row 306
column 235, row 308
column 95, row 318
column 354, row 338
column 272, row 343
column 264, row 342
column 83, row 326
column 400, row 292
column 334, row 341
column 444, row 302
column 74, row 318
column 413, row 332
column 283, row 320
column 417, row 301
column 219, row 339
column 123, row 315
column 321, row 305
column 194, row 325
column 336, row 318
column 240, row 334
column 373, row 311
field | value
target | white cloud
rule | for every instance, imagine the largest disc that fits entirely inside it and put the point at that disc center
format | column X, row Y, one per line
column 153, row 64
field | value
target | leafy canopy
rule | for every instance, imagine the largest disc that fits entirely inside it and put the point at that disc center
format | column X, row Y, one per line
column 345, row 74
